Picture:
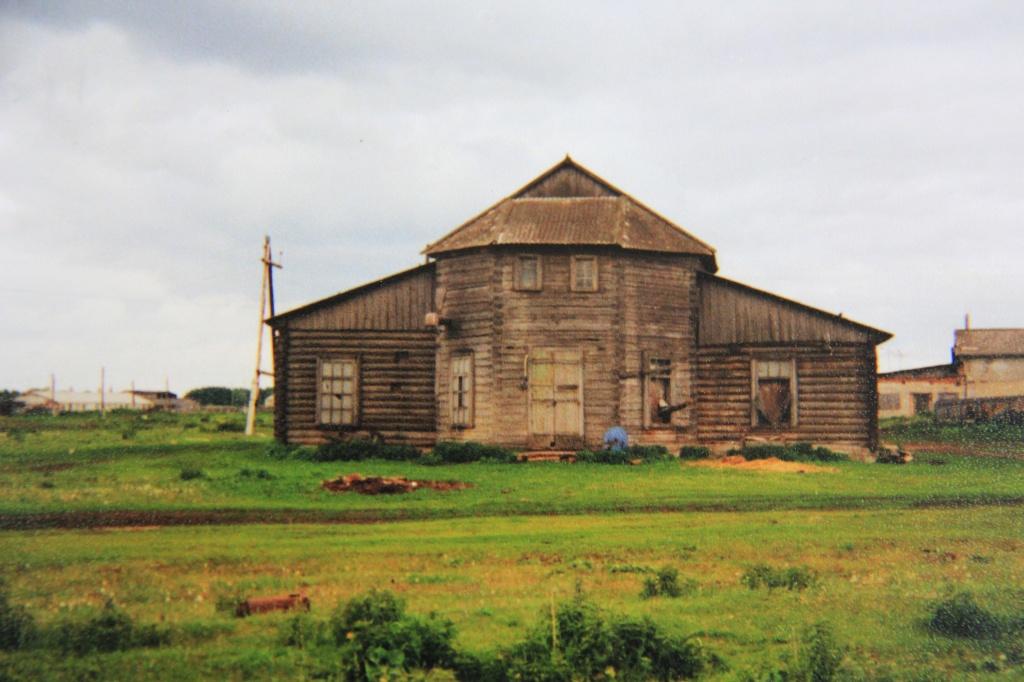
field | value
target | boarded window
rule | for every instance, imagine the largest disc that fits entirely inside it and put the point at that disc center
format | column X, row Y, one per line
column 659, row 392
column 584, row 273
column 889, row 401
column 922, row 403
column 338, row 392
column 528, row 273
column 948, row 398
column 774, row 393
column 462, row 390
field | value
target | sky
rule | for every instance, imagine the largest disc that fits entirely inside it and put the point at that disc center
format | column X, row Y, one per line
column 860, row 157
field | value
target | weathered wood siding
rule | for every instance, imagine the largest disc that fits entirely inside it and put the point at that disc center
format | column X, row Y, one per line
column 658, row 305
column 396, row 385
column 397, row 303
column 467, row 285
column 836, row 400
column 734, row 313
column 381, row 326
column 645, row 307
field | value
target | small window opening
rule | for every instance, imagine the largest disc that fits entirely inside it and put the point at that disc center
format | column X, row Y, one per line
column 659, row 391
column 774, row 393
column 528, row 273
column 584, row 273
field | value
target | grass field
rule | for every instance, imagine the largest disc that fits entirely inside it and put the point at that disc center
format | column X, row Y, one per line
column 882, row 543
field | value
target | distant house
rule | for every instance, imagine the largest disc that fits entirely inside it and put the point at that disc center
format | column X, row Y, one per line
column 565, row 309
column 990, row 362
column 912, row 392
column 987, row 363
column 82, row 401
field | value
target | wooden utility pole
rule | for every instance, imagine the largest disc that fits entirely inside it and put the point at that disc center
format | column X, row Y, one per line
column 266, row 292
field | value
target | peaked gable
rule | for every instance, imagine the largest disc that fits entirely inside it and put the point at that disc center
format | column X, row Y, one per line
column 569, row 205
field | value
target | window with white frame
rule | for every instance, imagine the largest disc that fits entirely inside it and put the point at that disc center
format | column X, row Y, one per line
column 583, row 275
column 462, row 390
column 774, row 393
column 338, row 392
column 528, row 273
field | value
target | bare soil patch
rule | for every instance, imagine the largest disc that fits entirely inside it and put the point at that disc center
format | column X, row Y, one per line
column 380, row 485
column 772, row 464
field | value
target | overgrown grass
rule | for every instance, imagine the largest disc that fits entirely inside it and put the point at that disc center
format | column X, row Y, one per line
column 995, row 434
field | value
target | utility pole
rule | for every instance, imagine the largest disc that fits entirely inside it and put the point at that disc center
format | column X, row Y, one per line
column 266, row 291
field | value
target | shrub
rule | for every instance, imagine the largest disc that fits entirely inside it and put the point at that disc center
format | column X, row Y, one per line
column 797, row 452
column 110, row 630
column 357, row 450
column 261, row 474
column 375, row 635
column 763, row 575
column 230, row 427
column 694, row 452
column 191, row 473
column 820, row 657
column 303, row 631
column 588, row 646
column 17, row 626
column 961, row 616
column 665, row 583
column 643, row 453
column 457, row 452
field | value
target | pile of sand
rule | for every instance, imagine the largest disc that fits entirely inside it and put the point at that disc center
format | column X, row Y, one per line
column 771, row 464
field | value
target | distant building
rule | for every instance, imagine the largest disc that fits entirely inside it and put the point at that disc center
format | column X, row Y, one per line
column 990, row 362
column 82, row 401
column 915, row 391
column 987, row 363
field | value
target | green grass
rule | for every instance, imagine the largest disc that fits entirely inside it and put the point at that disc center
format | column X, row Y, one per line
column 76, row 465
column 885, row 544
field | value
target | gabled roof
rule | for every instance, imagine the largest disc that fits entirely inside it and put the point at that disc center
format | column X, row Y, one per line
column 569, row 205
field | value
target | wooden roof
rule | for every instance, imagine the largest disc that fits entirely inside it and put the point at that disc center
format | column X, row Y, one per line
column 989, row 343
column 569, row 206
column 734, row 313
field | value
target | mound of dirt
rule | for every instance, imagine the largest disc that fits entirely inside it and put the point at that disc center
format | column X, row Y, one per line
column 772, row 464
column 379, row 485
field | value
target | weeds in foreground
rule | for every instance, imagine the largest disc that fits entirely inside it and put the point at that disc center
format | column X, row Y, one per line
column 762, row 575
column 665, row 583
column 961, row 616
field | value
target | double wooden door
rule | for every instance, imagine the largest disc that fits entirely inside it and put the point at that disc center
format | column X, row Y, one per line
column 556, row 398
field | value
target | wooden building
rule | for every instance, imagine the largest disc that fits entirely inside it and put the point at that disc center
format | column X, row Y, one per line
column 565, row 309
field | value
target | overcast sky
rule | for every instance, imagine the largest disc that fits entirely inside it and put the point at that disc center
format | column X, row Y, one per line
column 861, row 157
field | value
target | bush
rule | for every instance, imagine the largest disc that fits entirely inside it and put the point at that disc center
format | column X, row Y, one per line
column 961, row 616
column 587, row 646
column 17, row 626
column 110, row 630
column 643, row 453
column 797, row 452
column 694, row 452
column 666, row 584
column 191, row 473
column 357, row 450
column 763, row 575
column 375, row 636
column 457, row 452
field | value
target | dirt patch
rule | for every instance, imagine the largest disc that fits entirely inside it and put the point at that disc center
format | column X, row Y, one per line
column 772, row 464
column 379, row 485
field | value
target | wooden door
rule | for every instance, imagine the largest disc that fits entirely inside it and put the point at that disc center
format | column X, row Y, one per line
column 556, row 399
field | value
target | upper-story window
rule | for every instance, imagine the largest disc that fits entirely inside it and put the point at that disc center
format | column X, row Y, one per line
column 583, row 275
column 528, row 274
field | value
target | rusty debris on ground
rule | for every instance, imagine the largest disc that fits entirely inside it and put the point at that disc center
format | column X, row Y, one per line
column 772, row 464
column 379, row 485
column 286, row 602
